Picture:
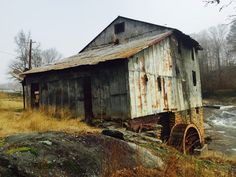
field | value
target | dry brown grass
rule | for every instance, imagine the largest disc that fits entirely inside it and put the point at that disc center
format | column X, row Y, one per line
column 138, row 172
column 219, row 157
column 14, row 120
column 190, row 166
column 179, row 165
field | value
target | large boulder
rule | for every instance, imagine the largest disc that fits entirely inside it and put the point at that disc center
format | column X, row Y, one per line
column 62, row 154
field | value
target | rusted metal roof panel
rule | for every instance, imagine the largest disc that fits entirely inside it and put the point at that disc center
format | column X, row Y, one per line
column 102, row 54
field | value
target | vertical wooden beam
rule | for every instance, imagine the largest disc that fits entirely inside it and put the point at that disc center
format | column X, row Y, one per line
column 30, row 55
column 23, row 87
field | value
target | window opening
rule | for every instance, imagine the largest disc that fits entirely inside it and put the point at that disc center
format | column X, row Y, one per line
column 159, row 83
column 193, row 54
column 194, row 78
column 119, row 28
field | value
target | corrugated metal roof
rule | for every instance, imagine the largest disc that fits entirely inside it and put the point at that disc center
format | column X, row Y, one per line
column 102, row 54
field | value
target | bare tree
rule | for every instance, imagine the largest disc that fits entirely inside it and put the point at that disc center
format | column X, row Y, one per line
column 218, row 37
column 36, row 55
column 231, row 38
column 50, row 56
column 222, row 4
column 205, row 58
column 231, row 41
column 21, row 40
column 21, row 62
column 39, row 57
column 212, row 1
column 215, row 58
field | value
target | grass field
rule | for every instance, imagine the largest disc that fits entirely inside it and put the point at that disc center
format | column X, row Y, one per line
column 14, row 120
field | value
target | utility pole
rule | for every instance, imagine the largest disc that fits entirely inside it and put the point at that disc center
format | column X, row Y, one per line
column 30, row 55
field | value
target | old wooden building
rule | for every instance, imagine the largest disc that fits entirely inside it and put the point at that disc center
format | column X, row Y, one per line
column 132, row 70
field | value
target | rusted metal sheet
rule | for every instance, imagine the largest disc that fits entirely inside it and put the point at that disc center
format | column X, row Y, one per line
column 156, row 85
column 102, row 54
column 144, row 69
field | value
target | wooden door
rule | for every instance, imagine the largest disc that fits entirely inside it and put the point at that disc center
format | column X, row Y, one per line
column 35, row 95
column 87, row 99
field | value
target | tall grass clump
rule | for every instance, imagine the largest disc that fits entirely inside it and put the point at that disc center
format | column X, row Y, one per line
column 14, row 120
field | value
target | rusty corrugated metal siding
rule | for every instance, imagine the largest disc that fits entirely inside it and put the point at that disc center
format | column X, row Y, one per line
column 176, row 92
column 144, row 68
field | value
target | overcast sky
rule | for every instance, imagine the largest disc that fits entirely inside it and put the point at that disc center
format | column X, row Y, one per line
column 68, row 25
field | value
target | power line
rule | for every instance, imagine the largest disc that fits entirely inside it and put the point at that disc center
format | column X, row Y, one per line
column 7, row 53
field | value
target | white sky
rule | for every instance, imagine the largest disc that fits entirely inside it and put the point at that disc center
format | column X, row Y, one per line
column 68, row 25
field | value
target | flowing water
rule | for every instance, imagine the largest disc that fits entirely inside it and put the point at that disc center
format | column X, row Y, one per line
column 220, row 125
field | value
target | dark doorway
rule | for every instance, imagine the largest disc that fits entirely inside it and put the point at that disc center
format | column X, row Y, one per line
column 87, row 99
column 35, row 95
column 167, row 122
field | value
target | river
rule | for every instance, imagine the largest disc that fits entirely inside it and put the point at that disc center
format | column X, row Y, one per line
column 220, row 126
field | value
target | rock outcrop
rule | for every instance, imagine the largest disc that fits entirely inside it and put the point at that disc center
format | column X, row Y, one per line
column 61, row 154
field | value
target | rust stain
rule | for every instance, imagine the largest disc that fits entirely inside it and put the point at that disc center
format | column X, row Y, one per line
column 142, row 64
column 144, row 88
column 157, row 92
column 140, row 105
column 165, row 95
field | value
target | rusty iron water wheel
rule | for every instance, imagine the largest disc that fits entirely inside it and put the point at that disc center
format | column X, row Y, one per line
column 185, row 138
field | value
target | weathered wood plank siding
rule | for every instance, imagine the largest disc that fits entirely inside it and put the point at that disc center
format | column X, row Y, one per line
column 110, row 92
column 63, row 90
column 160, row 79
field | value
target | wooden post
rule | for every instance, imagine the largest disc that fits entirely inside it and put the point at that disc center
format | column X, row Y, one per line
column 30, row 55
column 23, row 87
